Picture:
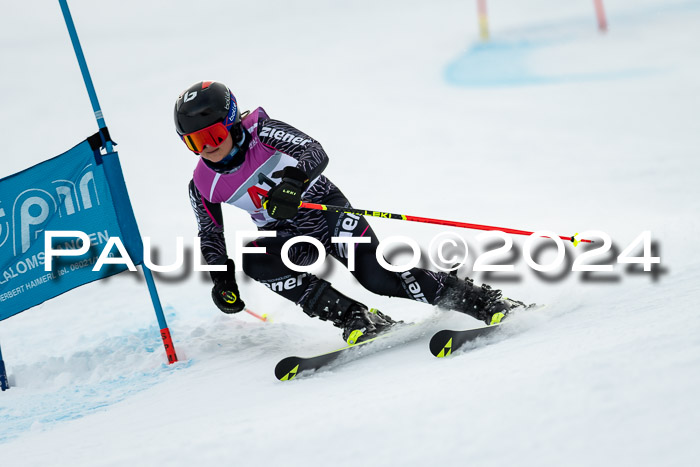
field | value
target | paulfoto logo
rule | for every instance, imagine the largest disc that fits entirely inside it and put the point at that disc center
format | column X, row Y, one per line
column 447, row 251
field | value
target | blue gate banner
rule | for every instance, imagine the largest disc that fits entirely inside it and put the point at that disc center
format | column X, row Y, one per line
column 81, row 190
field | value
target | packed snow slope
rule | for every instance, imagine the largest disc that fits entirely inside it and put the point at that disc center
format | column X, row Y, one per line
column 550, row 125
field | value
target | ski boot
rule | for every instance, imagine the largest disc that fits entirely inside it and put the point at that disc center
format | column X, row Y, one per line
column 483, row 303
column 357, row 322
column 362, row 324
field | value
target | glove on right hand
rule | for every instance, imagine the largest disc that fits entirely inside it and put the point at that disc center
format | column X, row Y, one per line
column 283, row 200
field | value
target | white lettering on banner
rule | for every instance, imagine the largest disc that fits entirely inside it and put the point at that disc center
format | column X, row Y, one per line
column 28, row 220
column 4, row 228
column 33, row 208
column 37, row 260
column 12, row 293
column 49, row 250
column 21, row 267
column 40, row 280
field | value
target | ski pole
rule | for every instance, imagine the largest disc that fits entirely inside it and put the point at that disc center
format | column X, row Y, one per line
column 261, row 318
column 404, row 217
column 427, row 220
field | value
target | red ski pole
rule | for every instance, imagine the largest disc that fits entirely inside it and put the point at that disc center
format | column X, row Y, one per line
column 261, row 318
column 600, row 14
column 427, row 220
column 254, row 191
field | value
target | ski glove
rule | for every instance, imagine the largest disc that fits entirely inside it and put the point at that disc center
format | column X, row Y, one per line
column 283, row 200
column 225, row 291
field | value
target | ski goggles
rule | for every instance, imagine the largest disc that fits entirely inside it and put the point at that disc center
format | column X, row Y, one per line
column 212, row 136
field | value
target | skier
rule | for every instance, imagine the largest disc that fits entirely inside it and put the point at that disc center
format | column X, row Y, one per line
column 234, row 150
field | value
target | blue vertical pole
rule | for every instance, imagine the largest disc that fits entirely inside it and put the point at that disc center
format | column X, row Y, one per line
column 4, row 385
column 164, row 331
column 83, row 68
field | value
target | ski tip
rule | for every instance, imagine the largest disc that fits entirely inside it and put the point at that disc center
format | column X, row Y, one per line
column 441, row 344
column 287, row 369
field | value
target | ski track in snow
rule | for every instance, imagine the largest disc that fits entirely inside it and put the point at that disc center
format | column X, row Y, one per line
column 581, row 130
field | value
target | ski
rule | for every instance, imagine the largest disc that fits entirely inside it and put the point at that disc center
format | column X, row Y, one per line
column 290, row 367
column 444, row 342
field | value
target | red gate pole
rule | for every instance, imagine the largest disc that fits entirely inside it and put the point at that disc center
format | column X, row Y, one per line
column 483, row 20
column 600, row 14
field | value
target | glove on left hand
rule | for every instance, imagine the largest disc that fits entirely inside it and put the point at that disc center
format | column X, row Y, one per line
column 225, row 291
column 283, row 200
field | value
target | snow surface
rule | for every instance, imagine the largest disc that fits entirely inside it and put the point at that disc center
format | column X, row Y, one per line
column 551, row 125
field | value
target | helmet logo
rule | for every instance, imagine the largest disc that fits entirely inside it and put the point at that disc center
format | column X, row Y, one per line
column 189, row 96
column 231, row 107
column 232, row 113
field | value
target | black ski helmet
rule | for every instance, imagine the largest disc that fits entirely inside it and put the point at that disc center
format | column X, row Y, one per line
column 204, row 104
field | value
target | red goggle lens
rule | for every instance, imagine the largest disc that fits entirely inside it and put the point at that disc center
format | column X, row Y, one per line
column 212, row 135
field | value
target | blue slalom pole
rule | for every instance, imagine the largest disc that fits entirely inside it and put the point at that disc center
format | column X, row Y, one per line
column 84, row 68
column 4, row 385
column 164, row 331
